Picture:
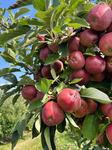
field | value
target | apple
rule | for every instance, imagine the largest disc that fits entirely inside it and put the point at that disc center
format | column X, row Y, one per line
column 105, row 108
column 88, row 37
column 100, row 138
column 57, row 66
column 92, row 105
column 109, row 132
column 98, row 77
column 54, row 47
column 46, row 72
column 69, row 100
column 82, row 73
column 95, row 64
column 99, row 17
column 108, row 63
column 82, row 111
column 109, row 29
column 44, row 53
column 76, row 60
column 105, row 44
column 73, row 44
column 29, row 92
column 52, row 114
column 110, row 113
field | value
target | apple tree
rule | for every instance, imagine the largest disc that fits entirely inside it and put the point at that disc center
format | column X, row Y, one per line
column 64, row 55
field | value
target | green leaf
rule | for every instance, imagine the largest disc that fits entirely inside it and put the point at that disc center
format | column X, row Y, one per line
column 60, row 87
column 31, row 21
column 39, row 5
column 8, row 58
column 12, row 33
column 96, row 95
column 57, row 29
column 36, row 104
column 102, row 127
column 51, row 59
column 11, row 78
column 66, row 73
column 2, row 11
column 21, row 11
column 74, row 81
column 53, row 73
column 56, row 3
column 7, row 87
column 21, row 125
column 61, row 126
column 45, row 16
column 47, row 137
column 90, row 126
column 62, row 50
column 71, row 120
column 15, row 98
column 6, row 71
column 15, row 138
column 35, row 132
column 27, row 59
column 26, row 80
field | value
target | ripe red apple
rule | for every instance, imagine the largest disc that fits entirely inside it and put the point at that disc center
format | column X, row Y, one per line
column 69, row 100
column 73, row 44
column 108, row 63
column 98, row 77
column 110, row 113
column 100, row 138
column 92, row 105
column 54, row 47
column 57, row 66
column 29, row 92
column 52, row 114
column 76, row 60
column 46, row 72
column 44, row 53
column 95, row 64
column 82, row 111
column 82, row 73
column 88, row 37
column 109, row 29
column 105, row 44
column 109, row 133
column 99, row 17
column 105, row 108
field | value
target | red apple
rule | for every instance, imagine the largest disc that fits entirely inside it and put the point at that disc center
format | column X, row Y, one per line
column 99, row 17
column 69, row 100
column 46, row 72
column 108, row 63
column 73, row 44
column 57, row 66
column 109, row 29
column 29, row 92
column 110, row 113
column 88, row 37
column 76, row 60
column 100, row 138
column 44, row 53
column 98, row 77
column 82, row 73
column 95, row 64
column 105, row 108
column 82, row 111
column 105, row 44
column 109, row 133
column 92, row 105
column 52, row 114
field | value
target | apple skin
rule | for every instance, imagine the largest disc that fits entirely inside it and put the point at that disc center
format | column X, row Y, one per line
column 105, row 44
column 54, row 47
column 82, row 73
column 95, row 64
column 98, row 77
column 96, row 17
column 88, row 37
column 109, row 132
column 92, row 106
column 76, row 60
column 108, row 63
column 109, row 29
column 69, row 100
column 29, row 92
column 73, row 44
column 105, row 108
column 57, row 66
column 82, row 111
column 100, row 138
column 110, row 113
column 52, row 114
column 44, row 53
column 46, row 72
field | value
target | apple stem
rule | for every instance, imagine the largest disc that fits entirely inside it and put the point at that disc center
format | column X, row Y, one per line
column 28, row 67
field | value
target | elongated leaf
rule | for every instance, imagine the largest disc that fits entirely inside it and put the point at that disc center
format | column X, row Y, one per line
column 31, row 21
column 21, row 11
column 71, row 120
column 47, row 4
column 75, row 81
column 7, row 87
column 2, row 11
column 21, row 125
column 39, row 5
column 47, row 137
column 11, row 77
column 90, row 126
column 15, row 138
column 61, row 126
column 96, row 95
column 52, row 137
column 62, row 49
column 56, row 3
column 12, row 33
column 26, row 80
column 45, row 84
column 35, row 132
column 6, row 71
column 36, row 104
column 15, row 98
column 102, row 127
column 8, row 58
column 53, row 73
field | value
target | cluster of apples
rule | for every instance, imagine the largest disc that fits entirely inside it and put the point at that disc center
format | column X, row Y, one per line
column 86, row 67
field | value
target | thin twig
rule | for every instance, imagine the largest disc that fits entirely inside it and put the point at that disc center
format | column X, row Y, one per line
column 4, row 26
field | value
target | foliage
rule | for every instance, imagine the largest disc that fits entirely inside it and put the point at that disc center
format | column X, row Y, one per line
column 22, row 46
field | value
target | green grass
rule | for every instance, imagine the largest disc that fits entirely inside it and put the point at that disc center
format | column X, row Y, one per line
column 63, row 142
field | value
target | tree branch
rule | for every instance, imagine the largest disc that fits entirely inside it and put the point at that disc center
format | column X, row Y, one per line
column 4, row 26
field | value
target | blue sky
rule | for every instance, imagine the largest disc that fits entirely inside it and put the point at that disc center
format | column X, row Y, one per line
column 6, row 4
